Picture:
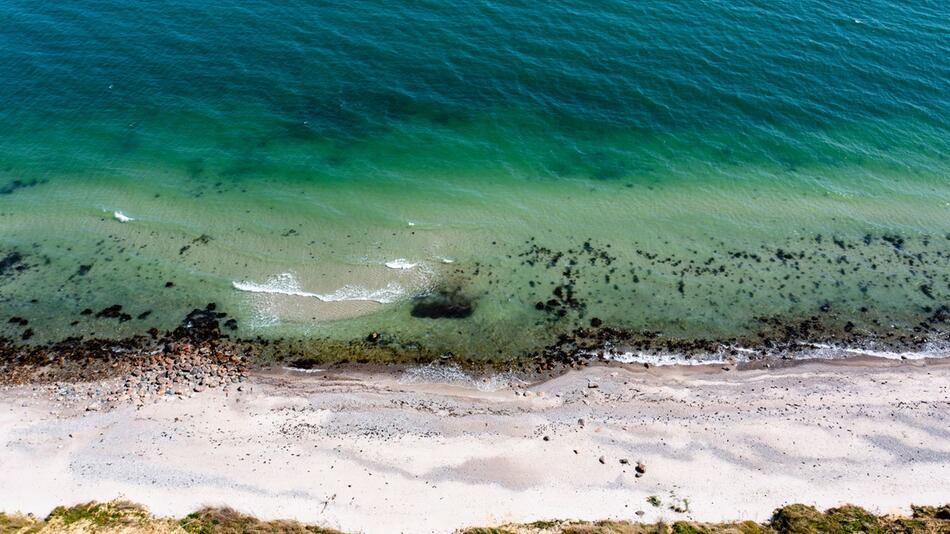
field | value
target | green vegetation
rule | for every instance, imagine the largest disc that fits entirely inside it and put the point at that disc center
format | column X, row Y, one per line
column 16, row 523
column 115, row 513
column 791, row 519
column 229, row 521
column 119, row 517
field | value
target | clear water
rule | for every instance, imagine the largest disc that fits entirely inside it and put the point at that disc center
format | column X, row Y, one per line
column 298, row 149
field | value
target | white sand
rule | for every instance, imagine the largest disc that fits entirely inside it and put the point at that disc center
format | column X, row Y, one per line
column 366, row 453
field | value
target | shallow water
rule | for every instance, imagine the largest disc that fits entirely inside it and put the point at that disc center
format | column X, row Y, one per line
column 311, row 169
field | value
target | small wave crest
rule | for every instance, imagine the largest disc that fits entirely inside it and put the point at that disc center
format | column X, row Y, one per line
column 121, row 217
column 401, row 263
column 287, row 284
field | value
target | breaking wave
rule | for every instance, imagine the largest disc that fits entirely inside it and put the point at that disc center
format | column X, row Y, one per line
column 287, row 284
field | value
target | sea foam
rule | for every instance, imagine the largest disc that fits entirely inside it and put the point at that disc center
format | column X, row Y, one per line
column 400, row 263
column 121, row 217
column 815, row 351
column 287, row 284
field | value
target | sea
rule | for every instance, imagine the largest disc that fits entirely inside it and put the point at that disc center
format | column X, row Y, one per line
column 479, row 178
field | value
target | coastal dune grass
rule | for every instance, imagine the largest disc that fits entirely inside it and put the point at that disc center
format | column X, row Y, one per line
column 122, row 517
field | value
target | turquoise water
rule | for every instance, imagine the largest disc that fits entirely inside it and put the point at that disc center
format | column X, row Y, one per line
column 723, row 162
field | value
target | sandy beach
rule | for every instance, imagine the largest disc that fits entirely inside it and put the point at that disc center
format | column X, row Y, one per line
column 396, row 452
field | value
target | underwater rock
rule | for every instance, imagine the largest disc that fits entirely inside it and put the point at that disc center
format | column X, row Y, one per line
column 443, row 304
column 10, row 260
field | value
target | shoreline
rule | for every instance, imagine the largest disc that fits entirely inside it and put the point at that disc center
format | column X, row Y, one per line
column 209, row 331
column 367, row 451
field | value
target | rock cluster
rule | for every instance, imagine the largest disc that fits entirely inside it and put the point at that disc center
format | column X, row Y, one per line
column 180, row 371
column 101, row 373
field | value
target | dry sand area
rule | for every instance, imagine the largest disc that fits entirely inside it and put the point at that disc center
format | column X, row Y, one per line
column 376, row 453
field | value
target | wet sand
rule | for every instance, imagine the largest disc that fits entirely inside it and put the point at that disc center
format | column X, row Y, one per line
column 374, row 452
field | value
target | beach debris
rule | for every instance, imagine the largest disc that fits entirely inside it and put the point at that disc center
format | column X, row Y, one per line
column 624, row 461
column 602, row 460
column 680, row 507
column 641, row 468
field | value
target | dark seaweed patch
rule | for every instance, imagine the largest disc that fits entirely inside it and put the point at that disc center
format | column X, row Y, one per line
column 16, row 185
column 444, row 304
column 114, row 312
column 10, row 261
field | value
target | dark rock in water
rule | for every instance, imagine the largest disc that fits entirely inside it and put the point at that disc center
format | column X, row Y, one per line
column 27, row 334
column 373, row 337
column 231, row 324
column 896, row 241
column 443, row 305
column 200, row 325
column 9, row 261
column 83, row 270
column 144, row 314
column 112, row 312
column 87, row 311
column 595, row 322
column 169, row 284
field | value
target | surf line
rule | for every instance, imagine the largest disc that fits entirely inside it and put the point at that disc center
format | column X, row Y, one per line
column 287, row 284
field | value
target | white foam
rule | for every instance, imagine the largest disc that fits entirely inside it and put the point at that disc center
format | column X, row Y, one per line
column 287, row 284
column 121, row 217
column 831, row 351
column 383, row 295
column 400, row 263
column 445, row 260
column 663, row 359
column 307, row 371
column 815, row 351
